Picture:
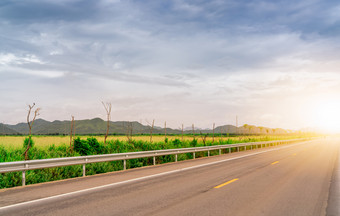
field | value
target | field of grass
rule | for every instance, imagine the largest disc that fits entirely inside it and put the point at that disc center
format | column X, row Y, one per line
column 43, row 142
column 11, row 149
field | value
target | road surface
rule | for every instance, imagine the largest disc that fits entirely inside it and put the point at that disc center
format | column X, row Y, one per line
column 297, row 179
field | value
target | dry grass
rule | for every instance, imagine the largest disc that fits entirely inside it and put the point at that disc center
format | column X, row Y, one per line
column 14, row 142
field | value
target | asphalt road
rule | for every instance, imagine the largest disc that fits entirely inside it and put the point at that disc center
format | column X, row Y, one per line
column 299, row 179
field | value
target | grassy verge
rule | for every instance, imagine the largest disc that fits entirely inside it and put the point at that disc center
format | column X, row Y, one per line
column 114, row 145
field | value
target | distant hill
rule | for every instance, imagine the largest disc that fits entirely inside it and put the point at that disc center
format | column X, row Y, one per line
column 98, row 126
column 82, row 127
column 4, row 130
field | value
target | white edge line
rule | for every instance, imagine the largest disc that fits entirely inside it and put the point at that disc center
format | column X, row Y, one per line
column 140, row 178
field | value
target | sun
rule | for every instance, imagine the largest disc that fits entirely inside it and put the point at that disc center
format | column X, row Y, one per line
column 327, row 116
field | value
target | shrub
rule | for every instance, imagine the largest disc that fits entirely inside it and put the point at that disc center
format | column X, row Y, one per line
column 81, row 146
column 176, row 142
column 193, row 143
column 94, row 145
column 26, row 142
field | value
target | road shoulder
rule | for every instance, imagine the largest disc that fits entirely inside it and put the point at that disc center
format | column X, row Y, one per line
column 333, row 207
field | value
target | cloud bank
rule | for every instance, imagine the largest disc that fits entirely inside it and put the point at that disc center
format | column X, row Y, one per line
column 180, row 61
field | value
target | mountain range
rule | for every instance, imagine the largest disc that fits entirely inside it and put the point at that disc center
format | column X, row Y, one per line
column 98, row 126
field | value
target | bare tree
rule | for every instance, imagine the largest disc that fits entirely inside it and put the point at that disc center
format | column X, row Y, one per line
column 261, row 130
column 3, row 128
column 71, row 133
column 151, row 128
column 204, row 137
column 74, row 129
column 129, row 132
column 251, row 129
column 236, row 126
column 165, row 130
column 213, row 133
column 30, row 125
column 221, row 134
column 182, row 132
column 107, row 107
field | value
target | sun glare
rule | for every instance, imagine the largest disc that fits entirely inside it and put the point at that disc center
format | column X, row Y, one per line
column 327, row 116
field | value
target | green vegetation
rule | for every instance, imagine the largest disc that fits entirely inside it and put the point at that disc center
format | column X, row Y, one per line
column 91, row 146
column 27, row 141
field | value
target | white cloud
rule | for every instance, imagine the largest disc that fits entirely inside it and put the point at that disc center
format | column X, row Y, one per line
column 11, row 59
column 181, row 60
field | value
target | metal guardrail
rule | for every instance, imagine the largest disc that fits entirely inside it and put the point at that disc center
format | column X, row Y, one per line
column 83, row 160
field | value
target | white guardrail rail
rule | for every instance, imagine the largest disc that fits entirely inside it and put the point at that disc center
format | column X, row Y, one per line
column 23, row 166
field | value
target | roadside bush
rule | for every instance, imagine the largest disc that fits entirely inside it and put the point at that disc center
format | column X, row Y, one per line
column 81, row 146
column 89, row 146
column 193, row 143
column 176, row 142
column 26, row 142
column 94, row 145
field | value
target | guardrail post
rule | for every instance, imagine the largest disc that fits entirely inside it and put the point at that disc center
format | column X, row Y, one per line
column 154, row 160
column 24, row 175
column 124, row 162
column 175, row 157
column 238, row 149
column 23, row 178
column 194, row 155
column 219, row 151
column 208, row 153
column 84, row 168
column 229, row 150
column 245, row 148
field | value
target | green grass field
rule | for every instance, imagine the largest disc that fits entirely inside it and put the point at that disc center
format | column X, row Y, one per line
column 11, row 149
column 43, row 142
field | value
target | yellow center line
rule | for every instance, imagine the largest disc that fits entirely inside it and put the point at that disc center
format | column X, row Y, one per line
column 224, row 184
column 275, row 162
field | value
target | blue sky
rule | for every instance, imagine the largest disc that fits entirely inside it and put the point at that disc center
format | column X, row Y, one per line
column 269, row 62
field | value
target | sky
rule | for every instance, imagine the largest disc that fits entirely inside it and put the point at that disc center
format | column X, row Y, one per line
column 271, row 63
